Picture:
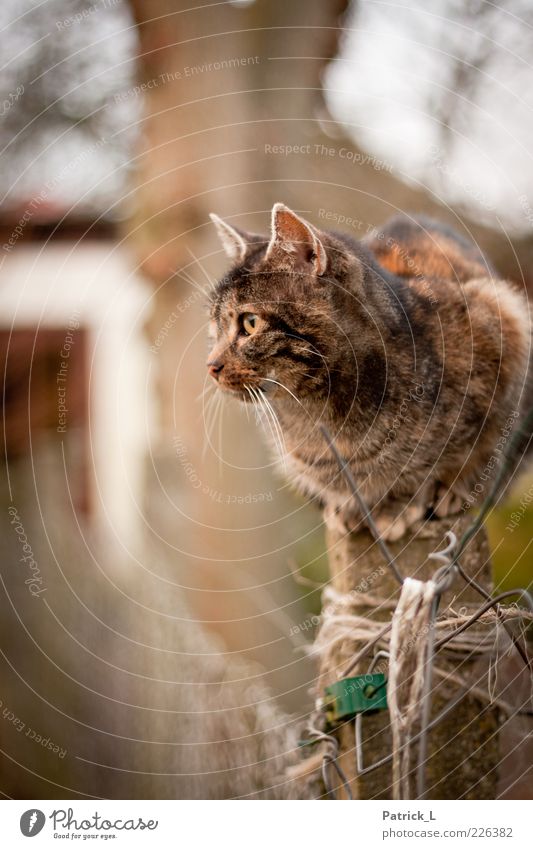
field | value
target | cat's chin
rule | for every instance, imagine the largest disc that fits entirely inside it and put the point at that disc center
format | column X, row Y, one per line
column 241, row 392
column 235, row 392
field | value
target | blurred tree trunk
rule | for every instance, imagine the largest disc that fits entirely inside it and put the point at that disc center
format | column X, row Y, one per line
column 215, row 94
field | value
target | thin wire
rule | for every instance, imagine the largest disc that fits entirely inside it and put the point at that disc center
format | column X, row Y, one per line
column 491, row 603
column 330, row 759
column 346, row 471
column 483, row 592
column 364, row 651
column 362, row 770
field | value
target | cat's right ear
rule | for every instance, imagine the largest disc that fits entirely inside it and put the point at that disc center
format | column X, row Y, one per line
column 296, row 241
column 235, row 242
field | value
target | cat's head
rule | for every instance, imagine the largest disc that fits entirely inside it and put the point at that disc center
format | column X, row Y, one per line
column 275, row 315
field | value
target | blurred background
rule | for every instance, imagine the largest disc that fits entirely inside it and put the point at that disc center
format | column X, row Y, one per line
column 160, row 583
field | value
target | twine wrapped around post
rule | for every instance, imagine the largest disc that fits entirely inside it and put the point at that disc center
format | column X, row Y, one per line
column 407, row 659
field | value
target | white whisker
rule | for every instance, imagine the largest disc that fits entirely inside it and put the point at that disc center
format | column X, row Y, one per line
column 281, row 440
column 220, row 421
column 257, row 404
column 209, row 386
column 246, row 410
column 264, row 411
column 254, row 403
column 257, row 408
column 192, row 282
column 204, row 272
column 212, row 410
column 271, row 380
column 309, row 350
column 271, row 423
column 207, row 415
column 315, row 353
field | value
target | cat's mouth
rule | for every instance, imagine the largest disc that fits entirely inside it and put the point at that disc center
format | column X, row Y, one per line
column 246, row 390
column 236, row 387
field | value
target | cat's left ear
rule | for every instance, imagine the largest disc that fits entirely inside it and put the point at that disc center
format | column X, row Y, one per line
column 235, row 242
column 297, row 240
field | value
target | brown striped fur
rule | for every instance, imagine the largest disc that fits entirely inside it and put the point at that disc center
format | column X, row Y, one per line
column 407, row 347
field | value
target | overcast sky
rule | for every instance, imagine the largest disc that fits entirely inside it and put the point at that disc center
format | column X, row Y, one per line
column 61, row 130
column 400, row 73
column 397, row 70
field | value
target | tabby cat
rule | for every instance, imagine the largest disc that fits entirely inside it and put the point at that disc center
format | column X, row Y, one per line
column 405, row 345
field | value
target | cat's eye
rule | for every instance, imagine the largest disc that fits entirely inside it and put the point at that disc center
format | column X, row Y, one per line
column 250, row 323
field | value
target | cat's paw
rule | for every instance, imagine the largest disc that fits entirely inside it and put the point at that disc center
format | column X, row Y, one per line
column 447, row 502
column 394, row 521
column 341, row 520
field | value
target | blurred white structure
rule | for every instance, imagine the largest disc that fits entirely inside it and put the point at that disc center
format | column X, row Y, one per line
column 90, row 286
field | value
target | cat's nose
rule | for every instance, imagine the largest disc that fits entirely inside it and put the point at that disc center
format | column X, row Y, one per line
column 215, row 367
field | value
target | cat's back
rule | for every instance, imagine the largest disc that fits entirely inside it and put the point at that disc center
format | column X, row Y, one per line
column 423, row 247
